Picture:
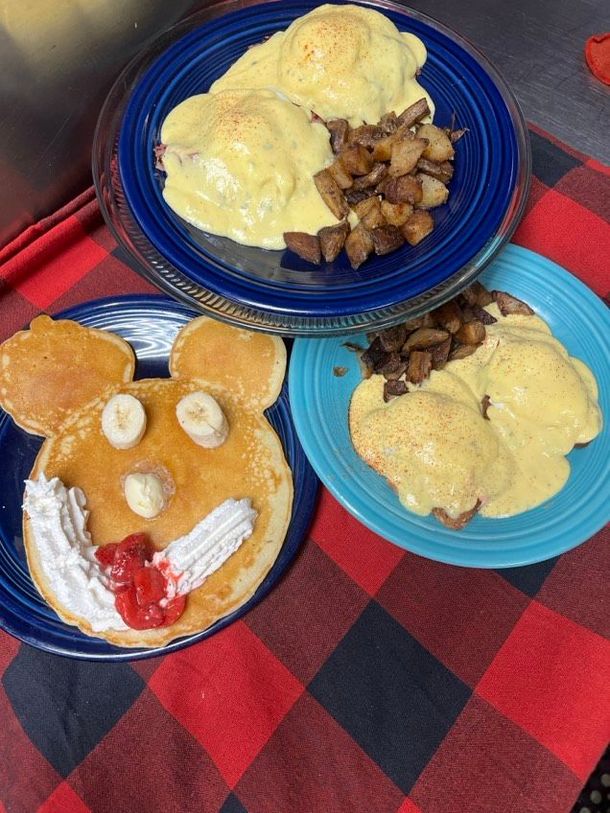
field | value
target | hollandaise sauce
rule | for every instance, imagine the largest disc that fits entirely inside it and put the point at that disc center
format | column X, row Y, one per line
column 240, row 160
column 338, row 61
column 240, row 164
column 438, row 451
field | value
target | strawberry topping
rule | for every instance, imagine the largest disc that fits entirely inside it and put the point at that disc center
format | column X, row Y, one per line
column 174, row 609
column 140, row 588
column 105, row 554
column 136, row 617
column 130, row 555
column 150, row 586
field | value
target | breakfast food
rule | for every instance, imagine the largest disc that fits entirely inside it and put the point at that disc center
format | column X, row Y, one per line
column 252, row 159
column 239, row 163
column 141, row 543
column 338, row 61
column 473, row 408
column 389, row 175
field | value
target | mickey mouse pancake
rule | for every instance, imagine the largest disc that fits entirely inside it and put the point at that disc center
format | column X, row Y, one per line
column 185, row 473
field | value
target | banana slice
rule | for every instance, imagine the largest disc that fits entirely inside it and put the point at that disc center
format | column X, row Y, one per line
column 144, row 494
column 123, row 421
column 202, row 419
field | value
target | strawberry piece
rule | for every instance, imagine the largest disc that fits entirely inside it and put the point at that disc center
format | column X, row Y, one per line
column 149, row 584
column 173, row 610
column 136, row 617
column 138, row 589
column 105, row 554
column 130, row 555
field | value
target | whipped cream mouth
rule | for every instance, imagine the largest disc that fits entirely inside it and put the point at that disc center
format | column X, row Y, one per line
column 67, row 556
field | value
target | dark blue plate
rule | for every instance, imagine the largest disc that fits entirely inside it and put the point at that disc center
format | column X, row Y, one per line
column 275, row 290
column 149, row 324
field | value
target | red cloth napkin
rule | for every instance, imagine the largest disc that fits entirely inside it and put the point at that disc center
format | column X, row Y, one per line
column 370, row 679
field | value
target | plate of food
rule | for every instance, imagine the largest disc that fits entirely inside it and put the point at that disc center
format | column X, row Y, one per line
column 455, row 435
column 170, row 492
column 308, row 169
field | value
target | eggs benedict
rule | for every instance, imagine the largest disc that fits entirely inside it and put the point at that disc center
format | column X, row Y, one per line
column 338, row 61
column 240, row 160
column 240, row 164
column 440, row 451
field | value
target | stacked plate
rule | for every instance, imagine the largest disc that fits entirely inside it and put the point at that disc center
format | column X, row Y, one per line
column 274, row 290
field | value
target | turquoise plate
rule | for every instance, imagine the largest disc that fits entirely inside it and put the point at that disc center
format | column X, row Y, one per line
column 320, row 401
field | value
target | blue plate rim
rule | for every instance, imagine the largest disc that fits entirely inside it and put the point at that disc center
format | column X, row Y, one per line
column 357, row 507
column 305, row 500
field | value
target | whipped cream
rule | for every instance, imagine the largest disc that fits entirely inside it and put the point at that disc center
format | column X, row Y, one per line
column 58, row 520
column 189, row 560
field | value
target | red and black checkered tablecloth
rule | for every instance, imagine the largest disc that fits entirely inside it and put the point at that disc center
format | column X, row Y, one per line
column 370, row 679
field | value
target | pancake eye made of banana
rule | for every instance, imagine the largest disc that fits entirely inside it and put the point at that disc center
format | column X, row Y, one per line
column 123, row 421
column 201, row 417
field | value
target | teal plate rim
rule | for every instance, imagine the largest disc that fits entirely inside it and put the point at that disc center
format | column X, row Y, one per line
column 320, row 400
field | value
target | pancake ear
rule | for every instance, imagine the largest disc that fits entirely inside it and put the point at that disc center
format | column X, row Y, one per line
column 250, row 365
column 52, row 369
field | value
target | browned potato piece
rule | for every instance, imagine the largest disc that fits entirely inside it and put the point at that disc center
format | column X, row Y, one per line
column 406, row 152
column 356, row 196
column 423, row 338
column 339, row 131
column 444, row 171
column 356, row 159
column 420, row 364
column 375, row 357
column 393, row 338
column 477, row 294
column 462, row 351
column 396, row 213
column 389, row 123
column 393, row 368
column 455, row 135
column 414, row 113
column 376, row 175
column 307, row 246
column 369, row 212
column 482, row 315
column 358, row 245
column 382, row 149
column 471, row 332
column 459, row 522
column 434, row 192
column 331, row 194
column 510, row 304
column 439, row 145
column 392, row 388
column 468, row 313
column 419, row 321
column 332, row 240
column 342, row 178
column 386, row 239
column 418, row 226
column 448, row 170
column 440, row 354
column 448, row 316
column 405, row 189
column 366, row 135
